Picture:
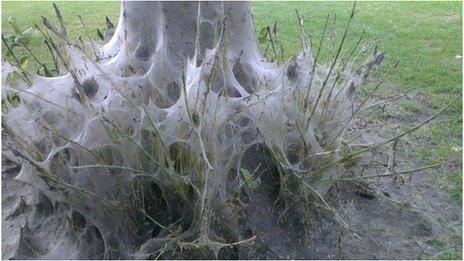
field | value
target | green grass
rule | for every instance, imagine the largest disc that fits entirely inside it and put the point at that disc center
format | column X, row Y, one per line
column 28, row 14
column 424, row 36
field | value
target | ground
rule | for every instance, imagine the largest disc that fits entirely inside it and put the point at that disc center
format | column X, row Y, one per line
column 424, row 37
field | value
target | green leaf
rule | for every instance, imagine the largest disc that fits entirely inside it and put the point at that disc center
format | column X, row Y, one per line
column 9, row 38
column 23, row 61
column 13, row 23
column 12, row 40
column 14, row 44
column 250, row 181
column 254, row 183
column 13, row 98
column 27, row 35
column 8, row 54
column 112, row 133
column 245, row 173
column 100, row 35
column 262, row 35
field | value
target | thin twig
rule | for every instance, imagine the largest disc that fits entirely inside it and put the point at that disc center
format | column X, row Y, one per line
column 325, row 104
column 311, row 77
column 271, row 40
column 60, row 19
column 300, row 23
column 153, row 220
column 387, row 101
column 235, row 243
column 90, row 38
column 42, row 98
column 386, row 174
column 53, row 57
column 355, row 113
column 374, row 146
column 35, row 58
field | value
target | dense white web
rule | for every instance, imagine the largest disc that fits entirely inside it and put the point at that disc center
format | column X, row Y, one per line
column 163, row 104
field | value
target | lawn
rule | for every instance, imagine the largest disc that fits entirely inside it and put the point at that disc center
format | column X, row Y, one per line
column 425, row 37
